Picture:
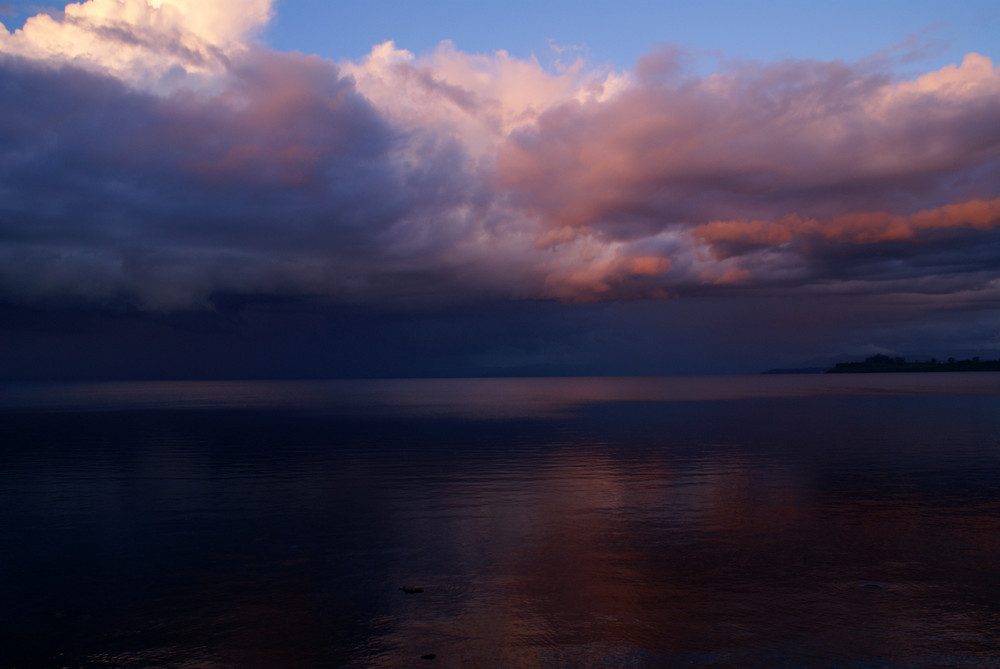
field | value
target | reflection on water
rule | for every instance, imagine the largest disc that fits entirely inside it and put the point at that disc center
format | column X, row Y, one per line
column 748, row 521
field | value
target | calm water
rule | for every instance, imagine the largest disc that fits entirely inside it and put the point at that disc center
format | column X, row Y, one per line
column 772, row 521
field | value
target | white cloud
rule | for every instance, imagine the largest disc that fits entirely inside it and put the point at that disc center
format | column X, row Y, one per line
column 143, row 42
column 476, row 98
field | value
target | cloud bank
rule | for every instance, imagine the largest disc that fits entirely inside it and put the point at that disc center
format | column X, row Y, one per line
column 155, row 154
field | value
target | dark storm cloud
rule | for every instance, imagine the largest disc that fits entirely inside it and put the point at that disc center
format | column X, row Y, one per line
column 284, row 180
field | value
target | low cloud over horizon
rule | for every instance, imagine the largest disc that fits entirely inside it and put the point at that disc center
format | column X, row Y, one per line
column 159, row 157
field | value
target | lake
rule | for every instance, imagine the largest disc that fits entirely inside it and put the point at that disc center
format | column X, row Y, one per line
column 848, row 521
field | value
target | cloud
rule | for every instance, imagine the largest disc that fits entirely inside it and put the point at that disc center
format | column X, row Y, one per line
column 748, row 169
column 852, row 228
column 819, row 137
column 154, row 155
column 141, row 41
column 477, row 99
column 285, row 182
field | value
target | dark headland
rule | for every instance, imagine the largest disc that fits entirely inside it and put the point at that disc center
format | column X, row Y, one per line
column 885, row 363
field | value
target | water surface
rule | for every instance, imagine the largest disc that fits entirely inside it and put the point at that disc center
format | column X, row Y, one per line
column 772, row 521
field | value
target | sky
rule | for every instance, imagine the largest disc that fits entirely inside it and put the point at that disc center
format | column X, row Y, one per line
column 303, row 189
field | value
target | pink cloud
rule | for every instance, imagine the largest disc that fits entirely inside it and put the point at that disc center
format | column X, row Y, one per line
column 852, row 228
column 613, row 276
column 821, row 138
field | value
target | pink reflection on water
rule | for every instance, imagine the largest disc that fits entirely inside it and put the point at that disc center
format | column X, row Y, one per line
column 626, row 563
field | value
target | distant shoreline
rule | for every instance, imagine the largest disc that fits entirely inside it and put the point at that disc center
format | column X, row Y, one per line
column 795, row 370
column 884, row 363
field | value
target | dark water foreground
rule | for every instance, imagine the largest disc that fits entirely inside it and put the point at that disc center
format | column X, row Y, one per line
column 821, row 521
